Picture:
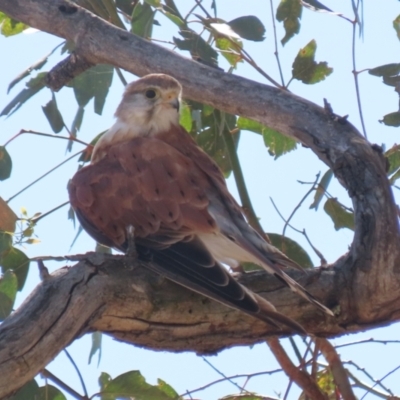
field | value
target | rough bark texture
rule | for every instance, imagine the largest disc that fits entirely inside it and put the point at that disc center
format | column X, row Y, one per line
column 138, row 307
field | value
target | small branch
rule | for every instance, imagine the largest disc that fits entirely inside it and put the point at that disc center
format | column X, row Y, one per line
column 77, row 371
column 46, row 373
column 66, row 70
column 301, row 378
column 369, row 389
column 43, row 176
column 35, row 220
column 336, row 366
column 276, row 53
column 355, row 73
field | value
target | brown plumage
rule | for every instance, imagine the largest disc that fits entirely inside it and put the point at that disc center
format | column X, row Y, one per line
column 148, row 173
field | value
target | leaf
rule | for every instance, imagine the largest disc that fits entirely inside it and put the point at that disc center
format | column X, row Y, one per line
column 289, row 11
column 248, row 27
column 326, row 383
column 5, row 164
column 211, row 139
column 8, row 292
column 305, row 69
column 50, row 392
column 142, row 20
column 5, row 243
column 37, row 65
column 185, row 118
column 125, row 6
column 248, row 396
column 230, row 50
column 77, row 122
column 96, row 346
column 87, row 154
column 393, row 157
column 396, row 26
column 392, row 119
column 29, row 391
column 276, row 143
column 7, row 217
column 223, row 29
column 292, row 249
column 18, row 262
column 93, row 83
column 316, row 6
column 133, row 384
column 104, row 380
column 321, row 189
column 199, row 49
column 154, row 3
column 167, row 389
column 53, row 115
column 32, row 87
column 385, row 70
column 10, row 26
column 339, row 215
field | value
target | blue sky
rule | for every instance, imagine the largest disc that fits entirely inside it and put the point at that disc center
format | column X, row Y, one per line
column 266, row 177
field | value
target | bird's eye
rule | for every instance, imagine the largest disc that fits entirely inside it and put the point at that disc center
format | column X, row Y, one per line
column 150, row 94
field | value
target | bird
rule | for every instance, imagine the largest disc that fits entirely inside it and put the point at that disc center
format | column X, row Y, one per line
column 149, row 178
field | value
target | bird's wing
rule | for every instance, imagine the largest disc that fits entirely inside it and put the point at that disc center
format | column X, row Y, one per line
column 161, row 192
column 234, row 239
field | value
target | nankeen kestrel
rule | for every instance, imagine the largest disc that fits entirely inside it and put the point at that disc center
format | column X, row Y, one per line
column 148, row 173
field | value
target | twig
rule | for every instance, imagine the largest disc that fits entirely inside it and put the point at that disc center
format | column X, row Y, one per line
column 379, row 381
column 222, row 374
column 22, row 131
column 120, row 76
column 276, row 53
column 363, row 385
column 35, row 220
column 355, row 73
column 247, row 206
column 303, row 232
column 336, row 366
column 300, row 377
column 313, row 187
column 248, row 376
column 42, row 176
column 371, row 340
column 62, row 385
column 77, row 371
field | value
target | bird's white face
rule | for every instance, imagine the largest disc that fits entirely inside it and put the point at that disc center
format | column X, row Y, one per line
column 149, row 106
column 153, row 109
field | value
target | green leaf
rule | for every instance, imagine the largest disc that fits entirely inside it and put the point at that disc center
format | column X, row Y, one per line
column 289, row 11
column 326, row 383
column 167, row 389
column 276, row 143
column 96, row 346
column 30, row 391
column 5, row 164
column 77, row 122
column 133, row 384
column 53, row 115
column 230, row 50
column 396, row 26
column 93, row 83
column 18, row 262
column 8, row 292
column 9, row 26
column 394, row 177
column 37, row 65
column 185, row 118
column 392, row 119
column 393, row 156
column 315, row 5
column 50, row 392
column 248, row 27
column 87, row 154
column 5, row 243
column 211, row 139
column 153, row 3
column 249, row 396
column 385, row 70
column 292, row 249
column 199, row 49
column 104, row 380
column 32, row 87
column 340, row 216
column 305, row 69
column 321, row 189
column 7, row 217
column 142, row 20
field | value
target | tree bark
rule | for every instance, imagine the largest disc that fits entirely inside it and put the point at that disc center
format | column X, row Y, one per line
column 137, row 306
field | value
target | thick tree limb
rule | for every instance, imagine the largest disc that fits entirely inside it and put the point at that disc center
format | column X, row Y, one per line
column 363, row 286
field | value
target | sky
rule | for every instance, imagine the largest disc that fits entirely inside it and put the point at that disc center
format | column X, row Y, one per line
column 266, row 178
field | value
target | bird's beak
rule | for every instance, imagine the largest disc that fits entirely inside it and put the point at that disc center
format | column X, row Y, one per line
column 174, row 103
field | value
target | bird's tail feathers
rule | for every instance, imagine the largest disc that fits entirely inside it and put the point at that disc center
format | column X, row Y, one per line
column 297, row 288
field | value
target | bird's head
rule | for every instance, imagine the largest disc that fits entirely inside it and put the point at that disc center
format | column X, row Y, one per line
column 151, row 103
